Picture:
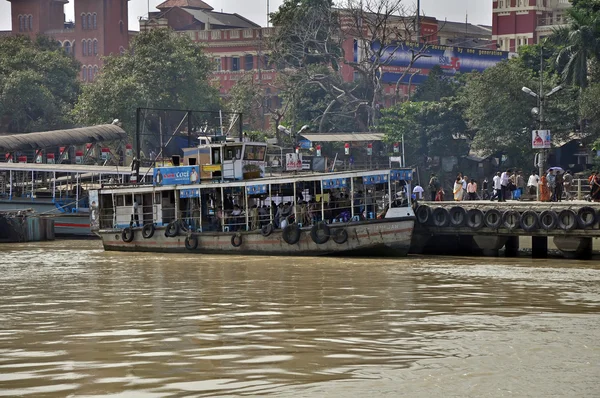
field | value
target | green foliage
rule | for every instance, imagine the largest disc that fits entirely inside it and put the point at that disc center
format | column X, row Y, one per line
column 437, row 86
column 38, row 84
column 248, row 97
column 162, row 70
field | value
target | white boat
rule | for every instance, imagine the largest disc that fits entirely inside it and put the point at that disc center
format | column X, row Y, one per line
column 218, row 203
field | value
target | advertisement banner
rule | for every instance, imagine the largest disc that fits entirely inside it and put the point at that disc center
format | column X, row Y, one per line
column 182, row 175
column 293, row 161
column 189, row 193
column 375, row 179
column 541, row 139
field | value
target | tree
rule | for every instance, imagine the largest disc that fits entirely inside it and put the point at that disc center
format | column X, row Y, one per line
column 248, row 97
column 437, row 86
column 38, row 85
column 161, row 70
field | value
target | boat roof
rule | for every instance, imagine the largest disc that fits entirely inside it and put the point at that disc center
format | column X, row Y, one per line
column 72, row 168
column 47, row 139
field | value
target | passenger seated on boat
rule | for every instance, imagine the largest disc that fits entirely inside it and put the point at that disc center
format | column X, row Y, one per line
column 277, row 217
column 254, row 217
column 236, row 218
column 217, row 220
column 263, row 215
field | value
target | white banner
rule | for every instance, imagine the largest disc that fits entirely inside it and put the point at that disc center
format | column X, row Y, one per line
column 293, row 161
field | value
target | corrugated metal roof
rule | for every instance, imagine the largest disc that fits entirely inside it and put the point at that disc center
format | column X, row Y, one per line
column 344, row 137
column 73, row 168
column 47, row 139
column 220, row 19
column 184, row 3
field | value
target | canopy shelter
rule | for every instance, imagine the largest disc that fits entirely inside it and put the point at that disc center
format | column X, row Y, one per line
column 344, row 137
column 48, row 139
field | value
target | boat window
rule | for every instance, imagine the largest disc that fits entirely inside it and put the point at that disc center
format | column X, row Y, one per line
column 120, row 201
column 254, row 152
column 128, row 200
column 157, row 198
column 232, row 152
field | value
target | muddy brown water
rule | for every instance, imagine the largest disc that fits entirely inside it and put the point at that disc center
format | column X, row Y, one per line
column 76, row 321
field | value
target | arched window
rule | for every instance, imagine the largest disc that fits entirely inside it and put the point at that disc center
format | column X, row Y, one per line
column 67, row 46
column 83, row 22
column 30, row 23
column 95, row 71
column 89, row 45
column 94, row 20
column 84, row 47
column 84, row 73
column 95, row 47
column 90, row 74
column 121, row 50
column 89, row 21
column 21, row 23
column 121, row 26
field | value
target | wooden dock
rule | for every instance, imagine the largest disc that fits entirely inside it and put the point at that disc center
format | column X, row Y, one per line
column 484, row 227
column 25, row 226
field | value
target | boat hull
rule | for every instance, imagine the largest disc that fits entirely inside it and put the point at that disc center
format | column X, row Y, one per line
column 65, row 224
column 387, row 237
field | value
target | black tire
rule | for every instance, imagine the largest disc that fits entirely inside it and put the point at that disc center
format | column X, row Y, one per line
column 320, row 233
column 475, row 219
column 236, row 240
column 172, row 229
column 440, row 217
column 340, row 236
column 493, row 219
column 548, row 220
column 191, row 242
column 511, row 219
column 266, row 230
column 423, row 214
column 291, row 234
column 148, row 231
column 586, row 217
column 458, row 216
column 127, row 235
column 530, row 221
column 567, row 220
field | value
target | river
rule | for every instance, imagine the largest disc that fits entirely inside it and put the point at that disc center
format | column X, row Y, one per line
column 78, row 321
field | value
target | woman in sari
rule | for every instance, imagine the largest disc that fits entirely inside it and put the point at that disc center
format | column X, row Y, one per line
column 596, row 188
column 544, row 189
column 458, row 189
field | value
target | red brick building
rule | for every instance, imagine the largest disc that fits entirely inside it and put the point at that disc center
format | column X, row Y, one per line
column 100, row 28
column 520, row 22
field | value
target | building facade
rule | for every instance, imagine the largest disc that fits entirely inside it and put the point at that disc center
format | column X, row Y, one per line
column 100, row 28
column 516, row 23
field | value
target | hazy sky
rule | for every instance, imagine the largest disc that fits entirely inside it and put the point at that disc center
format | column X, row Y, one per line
column 479, row 11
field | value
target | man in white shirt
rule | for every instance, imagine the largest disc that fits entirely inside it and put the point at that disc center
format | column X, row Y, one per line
column 418, row 191
column 497, row 186
column 504, row 191
column 532, row 183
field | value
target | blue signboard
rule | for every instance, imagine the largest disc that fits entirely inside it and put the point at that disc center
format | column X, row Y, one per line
column 305, row 144
column 401, row 175
column 182, row 175
column 375, row 179
column 189, row 193
column 256, row 189
column 335, row 183
column 452, row 60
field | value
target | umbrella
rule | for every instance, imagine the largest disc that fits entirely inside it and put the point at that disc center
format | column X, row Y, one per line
column 559, row 170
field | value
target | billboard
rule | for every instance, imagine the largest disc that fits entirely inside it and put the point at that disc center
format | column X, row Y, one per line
column 541, row 139
column 396, row 58
column 181, row 175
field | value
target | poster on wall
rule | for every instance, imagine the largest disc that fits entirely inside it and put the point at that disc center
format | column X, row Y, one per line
column 541, row 139
column 182, row 175
column 293, row 161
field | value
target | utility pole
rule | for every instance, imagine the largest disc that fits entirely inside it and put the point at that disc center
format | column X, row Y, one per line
column 418, row 21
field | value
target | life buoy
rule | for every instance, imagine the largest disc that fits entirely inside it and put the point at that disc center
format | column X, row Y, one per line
column 291, row 234
column 475, row 219
column 548, row 220
column 493, row 219
column 567, row 220
column 172, row 229
column 320, row 233
column 340, row 236
column 127, row 235
column 511, row 219
column 236, row 240
column 423, row 214
column 191, row 242
column 266, row 230
column 530, row 221
column 440, row 217
column 586, row 217
column 148, row 231
column 458, row 216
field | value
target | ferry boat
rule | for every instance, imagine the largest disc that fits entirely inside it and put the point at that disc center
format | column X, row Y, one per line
column 220, row 202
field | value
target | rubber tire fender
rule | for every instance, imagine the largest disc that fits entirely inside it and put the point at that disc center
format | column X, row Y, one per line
column 236, row 240
column 148, row 231
column 423, row 214
column 172, row 229
column 570, row 225
column 505, row 217
column 318, row 238
column 127, row 235
column 493, row 224
column 581, row 217
column 291, row 234
column 191, row 242
column 544, row 217
column 340, row 236
column 440, row 217
column 530, row 227
column 475, row 219
column 458, row 216
column 267, row 229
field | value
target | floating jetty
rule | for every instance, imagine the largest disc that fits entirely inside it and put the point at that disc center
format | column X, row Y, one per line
column 485, row 228
column 25, row 226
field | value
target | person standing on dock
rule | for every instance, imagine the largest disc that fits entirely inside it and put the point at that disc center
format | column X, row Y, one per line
column 434, row 186
column 497, row 187
column 472, row 190
column 465, row 179
column 532, row 183
column 504, row 181
column 458, row 189
column 568, row 184
column 551, row 178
